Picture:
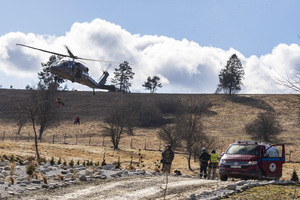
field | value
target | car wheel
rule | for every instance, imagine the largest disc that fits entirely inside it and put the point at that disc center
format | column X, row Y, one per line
column 224, row 178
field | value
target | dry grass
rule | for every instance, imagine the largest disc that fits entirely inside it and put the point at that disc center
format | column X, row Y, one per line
column 84, row 142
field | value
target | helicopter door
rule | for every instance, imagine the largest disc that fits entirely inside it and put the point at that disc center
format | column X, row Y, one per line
column 78, row 71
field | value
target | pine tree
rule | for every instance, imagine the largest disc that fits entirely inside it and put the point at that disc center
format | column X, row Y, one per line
column 231, row 76
column 152, row 84
column 123, row 75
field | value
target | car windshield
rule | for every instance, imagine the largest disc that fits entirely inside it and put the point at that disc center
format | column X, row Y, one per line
column 243, row 149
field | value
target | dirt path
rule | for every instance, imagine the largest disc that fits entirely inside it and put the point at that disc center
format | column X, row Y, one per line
column 142, row 187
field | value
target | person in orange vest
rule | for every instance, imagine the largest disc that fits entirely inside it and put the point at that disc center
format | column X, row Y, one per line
column 58, row 101
column 77, row 120
column 213, row 164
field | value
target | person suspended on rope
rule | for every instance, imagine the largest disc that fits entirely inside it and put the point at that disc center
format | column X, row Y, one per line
column 77, row 120
column 167, row 158
column 58, row 101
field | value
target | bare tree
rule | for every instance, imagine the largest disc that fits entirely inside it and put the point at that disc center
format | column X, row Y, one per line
column 116, row 122
column 292, row 84
column 170, row 135
column 21, row 120
column 29, row 111
column 288, row 82
column 190, row 125
column 265, row 127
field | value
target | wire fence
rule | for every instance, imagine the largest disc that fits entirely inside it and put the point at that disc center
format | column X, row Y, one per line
column 133, row 142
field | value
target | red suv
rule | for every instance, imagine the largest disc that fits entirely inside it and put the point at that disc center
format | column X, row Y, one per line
column 251, row 159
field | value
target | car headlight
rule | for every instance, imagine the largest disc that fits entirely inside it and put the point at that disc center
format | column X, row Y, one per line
column 252, row 162
column 223, row 161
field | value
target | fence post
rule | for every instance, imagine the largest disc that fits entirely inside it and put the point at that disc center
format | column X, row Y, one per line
column 53, row 139
column 90, row 141
column 3, row 136
column 76, row 139
column 28, row 137
column 159, row 144
column 65, row 138
column 131, row 143
column 145, row 144
column 103, row 141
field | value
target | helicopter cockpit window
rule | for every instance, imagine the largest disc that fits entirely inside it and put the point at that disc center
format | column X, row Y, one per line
column 65, row 64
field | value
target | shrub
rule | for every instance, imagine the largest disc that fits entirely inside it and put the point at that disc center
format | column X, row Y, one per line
column 170, row 106
column 295, row 176
column 150, row 117
column 44, row 178
column 30, row 169
column 12, row 158
column 103, row 161
column 20, row 161
column 264, row 127
column 71, row 163
column 118, row 164
column 40, row 160
column 52, row 162
column 59, row 161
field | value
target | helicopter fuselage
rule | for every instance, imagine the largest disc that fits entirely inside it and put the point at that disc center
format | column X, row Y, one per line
column 77, row 72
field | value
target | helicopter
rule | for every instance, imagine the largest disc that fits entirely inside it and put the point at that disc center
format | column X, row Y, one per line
column 75, row 71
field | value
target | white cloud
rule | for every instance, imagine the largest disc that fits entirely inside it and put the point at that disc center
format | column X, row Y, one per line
column 184, row 66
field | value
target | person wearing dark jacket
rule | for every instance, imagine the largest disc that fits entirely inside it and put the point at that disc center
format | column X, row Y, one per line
column 204, row 158
column 77, row 120
column 167, row 158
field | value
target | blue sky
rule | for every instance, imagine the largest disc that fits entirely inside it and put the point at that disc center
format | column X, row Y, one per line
column 252, row 29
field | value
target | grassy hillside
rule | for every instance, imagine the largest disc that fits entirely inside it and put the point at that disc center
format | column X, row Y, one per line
column 225, row 123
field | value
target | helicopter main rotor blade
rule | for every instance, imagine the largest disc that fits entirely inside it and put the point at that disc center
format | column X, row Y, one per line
column 44, row 50
column 71, row 55
column 98, row 60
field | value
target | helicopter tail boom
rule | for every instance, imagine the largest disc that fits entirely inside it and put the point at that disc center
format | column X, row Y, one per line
column 102, row 82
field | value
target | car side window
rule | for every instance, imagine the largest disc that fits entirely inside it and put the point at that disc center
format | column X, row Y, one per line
column 273, row 152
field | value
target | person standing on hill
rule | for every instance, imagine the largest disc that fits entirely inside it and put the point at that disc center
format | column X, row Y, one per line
column 77, row 120
column 204, row 158
column 167, row 158
column 213, row 164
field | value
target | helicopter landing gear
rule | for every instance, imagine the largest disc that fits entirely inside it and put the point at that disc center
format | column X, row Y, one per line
column 58, row 80
column 94, row 91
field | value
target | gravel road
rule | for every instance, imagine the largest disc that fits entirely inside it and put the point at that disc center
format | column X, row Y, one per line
column 132, row 187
